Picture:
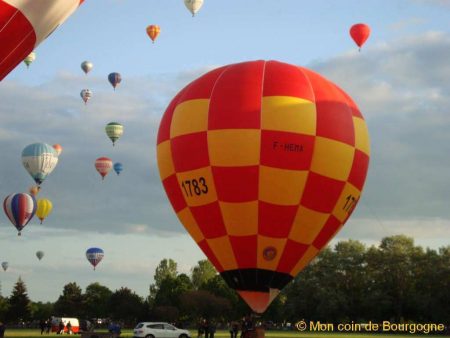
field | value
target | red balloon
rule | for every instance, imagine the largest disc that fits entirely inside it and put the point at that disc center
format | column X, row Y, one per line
column 25, row 24
column 263, row 163
column 360, row 33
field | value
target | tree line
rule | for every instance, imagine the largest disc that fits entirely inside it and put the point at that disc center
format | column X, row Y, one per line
column 396, row 281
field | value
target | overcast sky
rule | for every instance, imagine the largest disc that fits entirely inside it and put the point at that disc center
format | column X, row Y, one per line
column 400, row 81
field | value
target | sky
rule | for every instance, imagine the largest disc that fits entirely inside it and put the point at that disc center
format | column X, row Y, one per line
column 399, row 81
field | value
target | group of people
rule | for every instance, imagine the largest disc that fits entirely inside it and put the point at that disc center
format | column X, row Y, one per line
column 246, row 326
column 206, row 328
column 45, row 325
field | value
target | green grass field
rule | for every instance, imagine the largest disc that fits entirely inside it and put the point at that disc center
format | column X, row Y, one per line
column 224, row 334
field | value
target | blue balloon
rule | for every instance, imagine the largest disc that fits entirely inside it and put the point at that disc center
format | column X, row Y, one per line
column 39, row 159
column 118, row 167
column 114, row 79
column 94, row 256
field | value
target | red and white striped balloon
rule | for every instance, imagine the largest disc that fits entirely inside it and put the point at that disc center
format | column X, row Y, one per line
column 103, row 166
column 24, row 24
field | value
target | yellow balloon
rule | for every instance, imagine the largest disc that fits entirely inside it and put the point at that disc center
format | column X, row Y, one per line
column 44, row 208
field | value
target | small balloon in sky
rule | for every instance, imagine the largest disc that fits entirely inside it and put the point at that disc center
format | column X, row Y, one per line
column 114, row 79
column 153, row 32
column 86, row 66
column 20, row 209
column 39, row 254
column 29, row 59
column 94, row 256
column 118, row 167
column 86, row 95
column 360, row 33
column 39, row 159
column 103, row 166
column 44, row 208
column 114, row 131
column 193, row 5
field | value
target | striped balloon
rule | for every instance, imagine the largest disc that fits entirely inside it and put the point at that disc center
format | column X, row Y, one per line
column 103, row 166
column 20, row 209
column 94, row 256
column 114, row 131
column 25, row 24
column 39, row 159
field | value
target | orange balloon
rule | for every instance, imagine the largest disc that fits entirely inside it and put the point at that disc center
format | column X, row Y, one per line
column 58, row 148
column 153, row 32
column 263, row 162
column 34, row 190
column 360, row 33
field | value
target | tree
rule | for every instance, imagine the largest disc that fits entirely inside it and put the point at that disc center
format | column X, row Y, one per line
column 19, row 303
column 203, row 304
column 96, row 299
column 127, row 306
column 70, row 303
column 166, row 268
column 202, row 273
column 4, row 306
column 41, row 310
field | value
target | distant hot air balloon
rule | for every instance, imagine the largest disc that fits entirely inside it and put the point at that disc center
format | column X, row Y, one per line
column 20, row 209
column 153, row 32
column 39, row 159
column 86, row 95
column 40, row 254
column 34, row 190
column 29, row 59
column 360, row 33
column 86, row 66
column 25, row 24
column 263, row 162
column 114, row 131
column 193, row 5
column 103, row 166
column 118, row 167
column 44, row 208
column 5, row 266
column 114, row 79
column 94, row 256
column 58, row 148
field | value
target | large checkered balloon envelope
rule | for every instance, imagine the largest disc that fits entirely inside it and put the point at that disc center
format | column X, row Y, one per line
column 263, row 163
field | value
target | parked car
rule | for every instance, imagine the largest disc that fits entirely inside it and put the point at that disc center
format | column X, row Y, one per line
column 159, row 330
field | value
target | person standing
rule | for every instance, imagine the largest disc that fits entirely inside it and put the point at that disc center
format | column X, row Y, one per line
column 61, row 327
column 234, row 329
column 69, row 327
column 2, row 330
column 42, row 326
column 48, row 325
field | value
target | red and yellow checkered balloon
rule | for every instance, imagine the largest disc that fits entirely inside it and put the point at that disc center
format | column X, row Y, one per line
column 263, row 162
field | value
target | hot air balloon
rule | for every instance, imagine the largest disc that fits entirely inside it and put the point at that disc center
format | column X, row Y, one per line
column 193, row 5
column 94, row 256
column 114, row 131
column 360, row 33
column 5, row 266
column 114, row 79
column 103, row 166
column 86, row 66
column 153, row 32
column 25, row 24
column 263, row 162
column 118, row 167
column 40, row 254
column 86, row 95
column 58, row 148
column 20, row 209
column 44, row 208
column 39, row 159
column 34, row 190
column 29, row 59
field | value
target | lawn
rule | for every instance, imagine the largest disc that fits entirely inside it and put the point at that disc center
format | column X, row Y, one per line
column 224, row 334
